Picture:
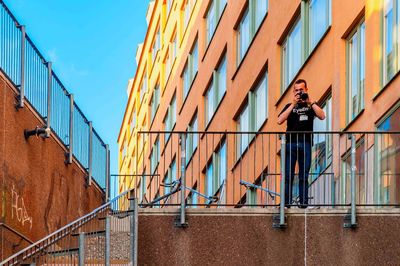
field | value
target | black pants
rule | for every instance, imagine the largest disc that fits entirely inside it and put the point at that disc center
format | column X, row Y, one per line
column 300, row 152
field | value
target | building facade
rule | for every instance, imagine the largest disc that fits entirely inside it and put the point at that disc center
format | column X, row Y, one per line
column 229, row 66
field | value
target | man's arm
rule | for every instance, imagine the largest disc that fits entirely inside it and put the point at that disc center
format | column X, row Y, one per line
column 318, row 111
column 285, row 114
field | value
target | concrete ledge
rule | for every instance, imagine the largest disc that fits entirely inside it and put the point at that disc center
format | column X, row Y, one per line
column 362, row 211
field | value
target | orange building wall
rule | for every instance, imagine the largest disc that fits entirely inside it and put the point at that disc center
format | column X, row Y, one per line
column 325, row 69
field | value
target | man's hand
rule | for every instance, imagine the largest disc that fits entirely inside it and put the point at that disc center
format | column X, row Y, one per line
column 296, row 99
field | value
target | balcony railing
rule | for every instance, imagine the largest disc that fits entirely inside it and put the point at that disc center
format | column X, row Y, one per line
column 248, row 169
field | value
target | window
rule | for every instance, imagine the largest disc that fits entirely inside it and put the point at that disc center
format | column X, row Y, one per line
column 253, row 114
column 243, row 36
column 190, row 71
column 171, row 56
column 251, row 196
column 156, row 44
column 155, row 102
column 193, row 198
column 387, row 170
column 359, row 175
column 155, row 156
column 187, row 11
column 216, row 90
column 191, row 139
column 167, row 63
column 291, row 54
column 356, row 72
column 124, row 148
column 260, row 110
column 390, row 65
column 322, row 143
column 133, row 121
column 243, row 125
column 213, row 16
column 174, row 48
column 249, row 25
column 169, row 5
column 209, row 103
column 170, row 177
column 301, row 41
column 143, row 87
column 216, row 173
column 170, row 118
column 260, row 10
column 143, row 186
column 318, row 20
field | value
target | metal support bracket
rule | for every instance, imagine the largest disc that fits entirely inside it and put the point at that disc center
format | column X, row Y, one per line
column 178, row 223
column 276, row 222
column 347, row 222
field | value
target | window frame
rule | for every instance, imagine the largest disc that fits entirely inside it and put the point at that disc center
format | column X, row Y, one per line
column 327, row 102
column 214, row 86
column 192, row 139
column 385, row 79
column 216, row 179
column 377, row 149
column 306, row 49
column 218, row 7
column 190, row 69
column 253, row 26
column 357, row 32
column 251, row 106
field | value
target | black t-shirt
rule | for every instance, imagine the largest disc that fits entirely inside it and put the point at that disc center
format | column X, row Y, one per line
column 300, row 119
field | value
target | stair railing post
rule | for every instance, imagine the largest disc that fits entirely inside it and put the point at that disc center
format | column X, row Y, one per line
column 134, row 228
column 81, row 251
column 108, row 240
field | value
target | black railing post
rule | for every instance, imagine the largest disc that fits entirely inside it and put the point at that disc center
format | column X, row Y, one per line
column 182, row 143
column 71, row 129
column 22, row 85
column 107, row 173
column 283, row 174
column 90, row 159
column 49, row 88
column 353, row 181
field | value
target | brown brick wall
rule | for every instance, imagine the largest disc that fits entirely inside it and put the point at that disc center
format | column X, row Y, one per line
column 40, row 193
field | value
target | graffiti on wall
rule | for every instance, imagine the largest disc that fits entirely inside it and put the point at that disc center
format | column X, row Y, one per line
column 18, row 209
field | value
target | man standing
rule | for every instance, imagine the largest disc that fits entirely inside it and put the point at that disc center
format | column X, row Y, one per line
column 300, row 116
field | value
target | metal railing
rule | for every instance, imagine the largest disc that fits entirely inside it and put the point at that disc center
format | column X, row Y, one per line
column 88, row 240
column 248, row 169
column 32, row 75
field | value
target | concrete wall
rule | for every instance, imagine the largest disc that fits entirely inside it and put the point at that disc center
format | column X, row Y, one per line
column 39, row 192
column 246, row 237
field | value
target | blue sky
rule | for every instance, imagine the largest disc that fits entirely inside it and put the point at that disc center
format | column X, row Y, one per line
column 92, row 44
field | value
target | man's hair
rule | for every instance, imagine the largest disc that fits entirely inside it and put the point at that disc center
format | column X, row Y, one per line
column 299, row 81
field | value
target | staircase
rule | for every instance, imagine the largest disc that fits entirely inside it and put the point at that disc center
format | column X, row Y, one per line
column 106, row 236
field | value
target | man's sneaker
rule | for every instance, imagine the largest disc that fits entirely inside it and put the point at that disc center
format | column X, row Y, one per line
column 303, row 206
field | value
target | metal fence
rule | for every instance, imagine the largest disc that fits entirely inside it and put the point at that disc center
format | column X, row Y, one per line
column 88, row 240
column 248, row 169
column 38, row 85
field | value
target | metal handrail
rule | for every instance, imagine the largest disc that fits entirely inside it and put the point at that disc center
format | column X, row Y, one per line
column 60, row 233
column 266, row 132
